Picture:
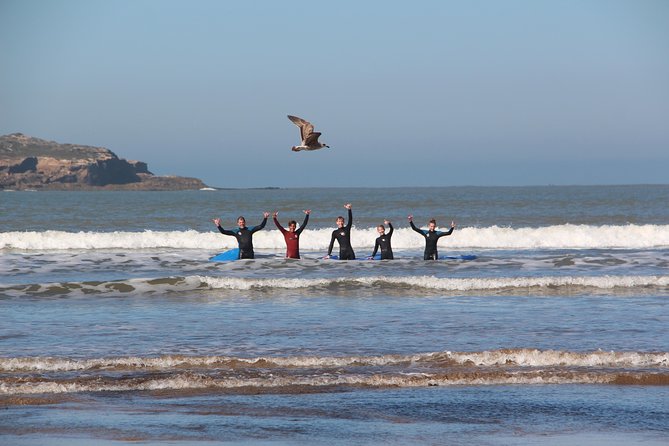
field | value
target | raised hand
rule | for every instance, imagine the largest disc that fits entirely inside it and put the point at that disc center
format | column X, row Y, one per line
column 347, row 205
column 410, row 217
column 265, row 214
column 217, row 221
column 275, row 214
column 307, row 211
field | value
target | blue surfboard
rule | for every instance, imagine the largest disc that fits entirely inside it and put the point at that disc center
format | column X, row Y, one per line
column 226, row 256
column 462, row 257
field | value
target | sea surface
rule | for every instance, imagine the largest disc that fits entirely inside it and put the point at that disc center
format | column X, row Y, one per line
column 115, row 327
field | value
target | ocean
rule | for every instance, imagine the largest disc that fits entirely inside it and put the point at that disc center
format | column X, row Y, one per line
column 116, row 328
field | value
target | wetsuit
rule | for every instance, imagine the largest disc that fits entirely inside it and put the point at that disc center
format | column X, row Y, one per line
column 244, row 238
column 292, row 238
column 431, row 239
column 383, row 242
column 343, row 236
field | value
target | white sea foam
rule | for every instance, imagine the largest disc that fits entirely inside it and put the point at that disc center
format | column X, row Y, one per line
column 560, row 236
column 178, row 372
column 553, row 358
column 292, row 383
column 439, row 284
column 504, row 357
column 445, row 284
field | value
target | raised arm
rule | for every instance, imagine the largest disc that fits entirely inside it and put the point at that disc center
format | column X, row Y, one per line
column 390, row 225
column 226, row 232
column 442, row 234
column 217, row 222
column 277, row 224
column 261, row 225
column 418, row 230
column 304, row 223
column 350, row 216
column 449, row 232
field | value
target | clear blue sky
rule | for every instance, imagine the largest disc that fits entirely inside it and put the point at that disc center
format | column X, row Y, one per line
column 405, row 93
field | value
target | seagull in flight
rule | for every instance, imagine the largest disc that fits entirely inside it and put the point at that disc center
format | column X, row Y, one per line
column 309, row 137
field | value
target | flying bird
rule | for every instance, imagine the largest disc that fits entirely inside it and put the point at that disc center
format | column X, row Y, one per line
column 309, row 137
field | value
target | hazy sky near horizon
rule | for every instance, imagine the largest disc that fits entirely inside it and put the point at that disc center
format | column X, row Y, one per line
column 406, row 93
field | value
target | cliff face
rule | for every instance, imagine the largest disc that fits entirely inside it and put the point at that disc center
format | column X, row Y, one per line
column 33, row 163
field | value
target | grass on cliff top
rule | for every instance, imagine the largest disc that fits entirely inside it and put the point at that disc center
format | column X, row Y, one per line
column 57, row 151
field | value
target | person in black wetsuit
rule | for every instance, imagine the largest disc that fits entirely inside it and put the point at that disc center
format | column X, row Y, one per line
column 343, row 235
column 383, row 242
column 431, row 237
column 243, row 235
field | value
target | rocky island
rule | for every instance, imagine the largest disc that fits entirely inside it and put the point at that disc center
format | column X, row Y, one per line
column 32, row 163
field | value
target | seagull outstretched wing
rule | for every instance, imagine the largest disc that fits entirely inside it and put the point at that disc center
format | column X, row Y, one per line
column 306, row 128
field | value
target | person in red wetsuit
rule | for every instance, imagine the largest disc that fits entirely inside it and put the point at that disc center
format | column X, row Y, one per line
column 292, row 235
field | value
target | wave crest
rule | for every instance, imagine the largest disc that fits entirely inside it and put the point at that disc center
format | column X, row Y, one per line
column 497, row 358
column 442, row 284
column 551, row 237
column 383, row 283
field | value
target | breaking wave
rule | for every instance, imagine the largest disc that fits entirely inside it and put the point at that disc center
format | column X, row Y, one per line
column 551, row 237
column 443, row 284
column 49, row 375
column 503, row 357
column 385, row 283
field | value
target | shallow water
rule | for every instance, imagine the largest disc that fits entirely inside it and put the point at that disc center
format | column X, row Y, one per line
column 557, row 332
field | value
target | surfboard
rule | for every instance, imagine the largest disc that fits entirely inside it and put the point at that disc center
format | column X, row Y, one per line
column 226, row 256
column 462, row 257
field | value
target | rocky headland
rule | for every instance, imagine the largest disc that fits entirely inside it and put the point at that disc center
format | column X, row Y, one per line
column 33, row 163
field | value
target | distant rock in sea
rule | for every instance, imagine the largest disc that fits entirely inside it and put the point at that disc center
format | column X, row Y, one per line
column 32, row 163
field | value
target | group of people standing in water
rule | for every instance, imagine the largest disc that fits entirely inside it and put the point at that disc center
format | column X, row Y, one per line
column 342, row 235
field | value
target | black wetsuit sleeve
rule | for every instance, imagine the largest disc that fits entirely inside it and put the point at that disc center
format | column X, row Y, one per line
column 332, row 240
column 260, row 226
column 304, row 224
column 226, row 232
column 449, row 232
column 350, row 220
column 278, row 225
column 390, row 233
column 376, row 247
column 416, row 229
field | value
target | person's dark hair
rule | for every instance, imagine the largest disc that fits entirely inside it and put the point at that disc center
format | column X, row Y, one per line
column 340, row 217
column 433, row 221
column 292, row 222
column 241, row 217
